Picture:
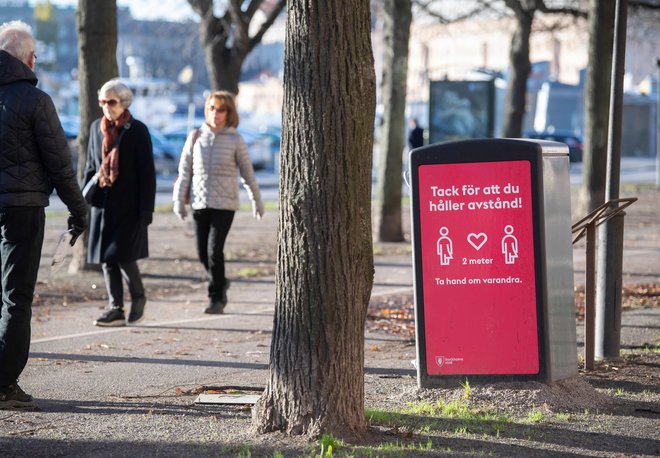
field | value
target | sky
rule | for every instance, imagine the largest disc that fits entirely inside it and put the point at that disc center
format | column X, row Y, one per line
column 171, row 10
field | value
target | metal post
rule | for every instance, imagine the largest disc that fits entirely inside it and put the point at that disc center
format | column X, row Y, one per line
column 657, row 126
column 590, row 298
column 610, row 237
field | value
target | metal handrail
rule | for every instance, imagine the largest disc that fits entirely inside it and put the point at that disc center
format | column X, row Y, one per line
column 587, row 227
column 600, row 215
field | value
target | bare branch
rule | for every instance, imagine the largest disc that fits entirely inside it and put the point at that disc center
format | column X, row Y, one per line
column 253, row 7
column 481, row 6
column 201, row 7
column 274, row 13
column 567, row 11
column 645, row 4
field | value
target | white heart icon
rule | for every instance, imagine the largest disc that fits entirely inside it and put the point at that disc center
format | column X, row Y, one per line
column 477, row 240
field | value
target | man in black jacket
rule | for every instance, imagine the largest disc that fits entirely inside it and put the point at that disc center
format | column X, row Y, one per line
column 416, row 135
column 34, row 159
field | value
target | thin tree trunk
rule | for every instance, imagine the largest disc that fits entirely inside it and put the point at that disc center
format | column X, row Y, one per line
column 397, row 16
column 97, row 63
column 223, row 64
column 519, row 68
column 325, row 259
column 597, row 105
column 227, row 41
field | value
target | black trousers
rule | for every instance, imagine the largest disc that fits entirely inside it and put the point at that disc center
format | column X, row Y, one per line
column 113, row 272
column 211, row 229
column 21, row 239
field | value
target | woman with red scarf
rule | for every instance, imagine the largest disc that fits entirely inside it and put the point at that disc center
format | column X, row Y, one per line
column 120, row 157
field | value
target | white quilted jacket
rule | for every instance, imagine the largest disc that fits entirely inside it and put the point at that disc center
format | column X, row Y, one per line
column 212, row 164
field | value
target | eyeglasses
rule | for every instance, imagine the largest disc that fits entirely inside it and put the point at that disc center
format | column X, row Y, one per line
column 109, row 102
column 218, row 109
column 35, row 57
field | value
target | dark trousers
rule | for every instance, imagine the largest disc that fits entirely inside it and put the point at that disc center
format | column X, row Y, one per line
column 113, row 272
column 21, row 238
column 211, row 229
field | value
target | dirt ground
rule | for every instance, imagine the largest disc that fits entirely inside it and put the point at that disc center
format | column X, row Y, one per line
column 612, row 411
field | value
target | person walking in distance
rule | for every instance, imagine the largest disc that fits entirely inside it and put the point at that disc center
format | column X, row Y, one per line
column 209, row 163
column 34, row 159
column 120, row 158
column 416, row 134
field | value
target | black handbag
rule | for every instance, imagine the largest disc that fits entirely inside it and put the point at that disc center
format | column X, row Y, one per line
column 90, row 189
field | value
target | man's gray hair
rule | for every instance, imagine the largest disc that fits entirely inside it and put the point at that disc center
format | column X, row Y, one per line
column 120, row 89
column 16, row 38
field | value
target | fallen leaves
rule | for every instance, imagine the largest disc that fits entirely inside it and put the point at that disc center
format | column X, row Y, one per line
column 634, row 296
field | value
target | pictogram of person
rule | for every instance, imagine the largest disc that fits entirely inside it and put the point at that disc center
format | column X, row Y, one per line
column 509, row 245
column 445, row 247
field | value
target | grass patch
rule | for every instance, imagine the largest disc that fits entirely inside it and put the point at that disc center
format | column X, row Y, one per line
column 653, row 349
column 328, row 443
column 269, row 205
column 56, row 213
column 467, row 390
column 252, row 272
column 535, row 416
column 426, row 417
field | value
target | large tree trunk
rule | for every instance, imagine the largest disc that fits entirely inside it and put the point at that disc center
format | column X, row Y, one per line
column 397, row 16
column 519, row 68
column 597, row 105
column 325, row 259
column 97, row 63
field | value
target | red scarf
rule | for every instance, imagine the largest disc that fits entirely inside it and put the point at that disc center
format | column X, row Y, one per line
column 110, row 153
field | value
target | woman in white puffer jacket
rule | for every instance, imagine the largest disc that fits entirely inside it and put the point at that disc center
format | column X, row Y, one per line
column 208, row 167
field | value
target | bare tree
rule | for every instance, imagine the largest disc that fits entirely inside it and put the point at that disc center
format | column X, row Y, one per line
column 97, row 63
column 397, row 16
column 596, row 97
column 519, row 64
column 597, row 105
column 519, row 67
column 325, row 258
column 226, row 39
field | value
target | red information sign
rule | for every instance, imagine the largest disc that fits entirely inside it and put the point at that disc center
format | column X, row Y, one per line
column 477, row 245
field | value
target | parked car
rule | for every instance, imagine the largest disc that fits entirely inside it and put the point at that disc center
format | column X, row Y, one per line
column 166, row 155
column 260, row 146
column 573, row 141
column 71, row 125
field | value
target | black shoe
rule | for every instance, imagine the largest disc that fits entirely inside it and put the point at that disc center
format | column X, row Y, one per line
column 223, row 298
column 137, row 309
column 215, row 308
column 13, row 397
column 113, row 317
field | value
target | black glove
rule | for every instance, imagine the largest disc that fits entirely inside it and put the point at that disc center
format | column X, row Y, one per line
column 146, row 218
column 76, row 226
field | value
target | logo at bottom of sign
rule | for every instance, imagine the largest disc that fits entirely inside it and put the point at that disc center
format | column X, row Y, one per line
column 447, row 361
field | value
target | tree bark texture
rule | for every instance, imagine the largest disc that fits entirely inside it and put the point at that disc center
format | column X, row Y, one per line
column 325, row 254
column 397, row 16
column 97, row 63
column 519, row 68
column 597, row 105
column 226, row 40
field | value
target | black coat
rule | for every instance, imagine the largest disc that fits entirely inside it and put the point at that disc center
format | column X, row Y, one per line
column 416, row 137
column 34, row 154
column 121, row 213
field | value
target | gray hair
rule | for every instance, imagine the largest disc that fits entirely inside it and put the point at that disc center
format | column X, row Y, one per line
column 120, row 90
column 16, row 39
